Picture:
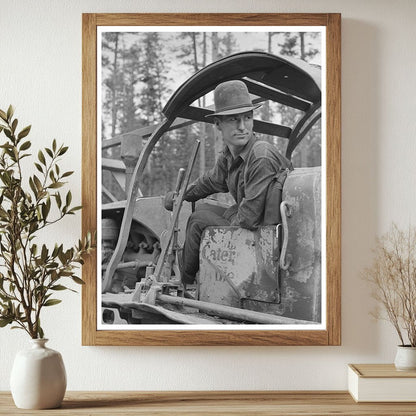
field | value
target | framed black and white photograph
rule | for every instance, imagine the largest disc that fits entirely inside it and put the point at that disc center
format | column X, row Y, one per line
column 211, row 154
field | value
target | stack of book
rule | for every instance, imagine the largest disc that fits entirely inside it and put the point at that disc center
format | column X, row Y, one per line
column 381, row 383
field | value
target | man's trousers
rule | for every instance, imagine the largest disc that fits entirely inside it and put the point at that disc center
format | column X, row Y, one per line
column 204, row 216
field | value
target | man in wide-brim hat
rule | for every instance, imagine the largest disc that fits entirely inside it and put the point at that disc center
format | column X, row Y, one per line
column 247, row 168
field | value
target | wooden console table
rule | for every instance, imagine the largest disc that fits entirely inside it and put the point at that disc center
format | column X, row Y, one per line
column 318, row 403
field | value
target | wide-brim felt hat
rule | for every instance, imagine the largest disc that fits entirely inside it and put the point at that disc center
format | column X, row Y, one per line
column 232, row 97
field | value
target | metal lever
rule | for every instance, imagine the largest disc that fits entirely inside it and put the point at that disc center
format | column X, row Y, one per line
column 179, row 180
column 132, row 194
column 176, row 211
column 285, row 213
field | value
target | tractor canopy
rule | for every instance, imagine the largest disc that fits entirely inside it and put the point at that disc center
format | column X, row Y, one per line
column 285, row 80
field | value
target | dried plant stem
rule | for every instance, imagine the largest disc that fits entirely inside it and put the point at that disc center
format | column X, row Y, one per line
column 393, row 276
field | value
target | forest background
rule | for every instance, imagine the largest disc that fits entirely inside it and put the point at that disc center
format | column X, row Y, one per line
column 140, row 71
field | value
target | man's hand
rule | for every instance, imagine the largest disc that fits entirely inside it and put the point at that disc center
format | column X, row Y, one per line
column 230, row 213
column 168, row 202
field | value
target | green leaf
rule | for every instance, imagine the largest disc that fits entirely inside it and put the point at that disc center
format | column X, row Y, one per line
column 39, row 167
column 55, row 251
column 78, row 280
column 49, row 152
column 54, row 276
column 14, row 125
column 54, row 145
column 25, row 145
column 5, row 321
column 56, row 185
column 68, row 199
column 77, row 208
column 61, row 257
column 24, row 132
column 10, row 112
column 34, row 226
column 60, row 249
column 51, row 302
column 67, row 174
column 59, row 287
column 58, row 199
column 40, row 332
column 45, row 211
column 63, row 150
column 44, row 253
column 3, row 115
column 33, row 187
column 37, row 182
column 5, row 179
column 41, row 157
column 8, row 133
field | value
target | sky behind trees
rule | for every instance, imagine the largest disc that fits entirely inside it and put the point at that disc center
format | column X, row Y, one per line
column 140, row 71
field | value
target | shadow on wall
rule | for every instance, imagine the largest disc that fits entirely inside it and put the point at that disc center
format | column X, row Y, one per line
column 361, row 188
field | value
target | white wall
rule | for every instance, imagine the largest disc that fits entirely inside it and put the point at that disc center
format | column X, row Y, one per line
column 40, row 74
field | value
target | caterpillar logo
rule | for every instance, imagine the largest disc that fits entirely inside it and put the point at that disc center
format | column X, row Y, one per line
column 221, row 255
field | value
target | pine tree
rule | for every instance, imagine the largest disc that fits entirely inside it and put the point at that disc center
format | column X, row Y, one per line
column 300, row 45
column 113, row 80
column 153, row 79
column 154, row 89
column 132, row 67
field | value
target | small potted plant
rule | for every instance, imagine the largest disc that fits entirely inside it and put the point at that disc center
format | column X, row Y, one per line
column 393, row 277
column 32, row 272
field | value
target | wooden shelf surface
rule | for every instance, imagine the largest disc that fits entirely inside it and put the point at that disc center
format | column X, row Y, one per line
column 180, row 403
column 381, row 371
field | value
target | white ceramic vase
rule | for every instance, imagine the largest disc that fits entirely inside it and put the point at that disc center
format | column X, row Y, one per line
column 38, row 377
column 405, row 358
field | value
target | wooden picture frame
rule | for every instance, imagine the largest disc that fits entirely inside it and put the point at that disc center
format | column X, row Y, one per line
column 331, row 334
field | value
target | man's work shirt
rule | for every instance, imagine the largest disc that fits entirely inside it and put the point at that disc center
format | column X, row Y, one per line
column 247, row 178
